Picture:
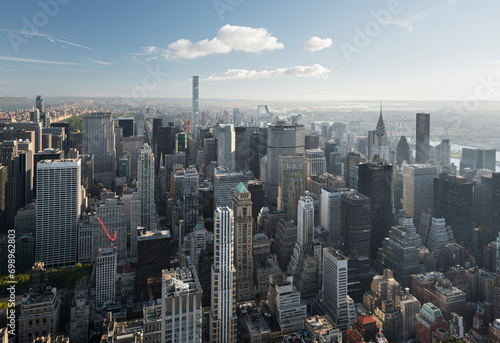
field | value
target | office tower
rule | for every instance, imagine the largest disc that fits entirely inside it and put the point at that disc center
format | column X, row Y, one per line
column 330, row 148
column 336, row 301
column 439, row 236
column 99, row 140
column 199, row 238
column 226, row 143
column 422, row 134
column 166, row 139
column 282, row 139
column 35, row 115
column 39, row 103
column 409, row 306
column 380, row 138
column 127, row 123
column 181, row 310
column 236, row 117
column 478, row 159
column 153, row 256
column 195, row 116
column 429, row 320
column 442, row 155
column 87, row 170
column 418, row 185
column 157, row 122
column 330, row 212
column 453, row 201
column 243, row 230
column 181, row 142
column 58, row 208
column 223, row 310
column 403, row 151
column 256, row 189
column 352, row 160
column 105, row 276
column 123, row 167
column 365, row 329
column 399, row 254
column 304, row 263
column 224, row 185
column 315, row 162
column 284, row 241
column 13, row 186
column 355, row 224
column 28, row 126
column 210, row 149
column 311, row 141
column 375, row 181
column 285, row 304
column 291, row 183
column 132, row 147
column 146, row 187
column 490, row 207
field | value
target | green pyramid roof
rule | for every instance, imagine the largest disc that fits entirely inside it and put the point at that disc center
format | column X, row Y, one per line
column 241, row 188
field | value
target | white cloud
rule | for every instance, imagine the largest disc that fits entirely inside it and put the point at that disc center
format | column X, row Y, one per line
column 315, row 70
column 229, row 38
column 491, row 62
column 317, row 44
column 16, row 59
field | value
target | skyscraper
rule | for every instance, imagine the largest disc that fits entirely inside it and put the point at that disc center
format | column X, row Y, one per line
column 315, row 162
column 99, row 140
column 418, row 185
column 375, row 181
column 146, row 187
column 282, row 139
column 352, row 160
column 105, row 276
column 226, row 143
column 355, row 224
column 422, row 135
column 292, row 183
column 223, row 310
column 127, row 123
column 181, row 311
column 478, row 159
column 403, row 151
column 330, row 212
column 195, row 117
column 243, row 224
column 225, row 184
column 453, row 201
column 58, row 208
column 336, row 301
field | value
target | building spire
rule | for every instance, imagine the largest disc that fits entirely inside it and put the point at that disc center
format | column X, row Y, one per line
column 381, row 131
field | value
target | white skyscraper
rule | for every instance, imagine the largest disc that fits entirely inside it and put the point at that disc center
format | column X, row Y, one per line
column 146, row 187
column 305, row 230
column 335, row 299
column 418, row 189
column 105, row 271
column 226, row 145
column 331, row 200
column 58, row 207
column 223, row 312
column 181, row 311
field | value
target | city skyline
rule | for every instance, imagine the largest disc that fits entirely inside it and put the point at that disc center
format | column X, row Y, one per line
column 243, row 49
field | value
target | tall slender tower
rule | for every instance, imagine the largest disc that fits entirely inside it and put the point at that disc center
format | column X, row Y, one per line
column 226, row 143
column 58, row 207
column 242, row 209
column 291, row 184
column 195, row 117
column 422, row 134
column 223, row 312
column 146, row 187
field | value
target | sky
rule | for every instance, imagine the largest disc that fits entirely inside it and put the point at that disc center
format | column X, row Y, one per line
column 252, row 49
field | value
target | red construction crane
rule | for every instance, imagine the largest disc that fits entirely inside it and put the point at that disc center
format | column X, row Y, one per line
column 112, row 239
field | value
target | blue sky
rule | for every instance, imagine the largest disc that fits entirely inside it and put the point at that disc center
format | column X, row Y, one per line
column 252, row 49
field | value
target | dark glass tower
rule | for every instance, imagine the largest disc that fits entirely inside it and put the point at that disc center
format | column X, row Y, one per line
column 375, row 181
column 422, row 134
column 453, row 201
column 355, row 224
column 403, row 151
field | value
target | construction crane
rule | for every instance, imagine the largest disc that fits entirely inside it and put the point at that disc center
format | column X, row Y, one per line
column 111, row 238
